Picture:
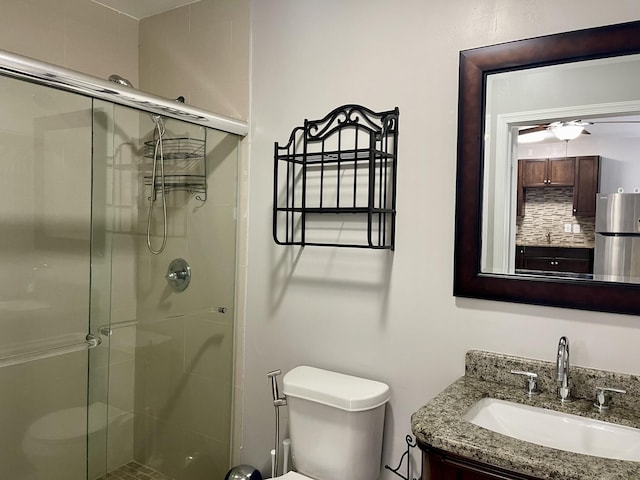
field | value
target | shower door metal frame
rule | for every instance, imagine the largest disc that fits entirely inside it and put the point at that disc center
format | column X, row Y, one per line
column 31, row 70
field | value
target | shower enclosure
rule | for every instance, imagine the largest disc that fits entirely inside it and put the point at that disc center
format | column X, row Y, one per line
column 104, row 367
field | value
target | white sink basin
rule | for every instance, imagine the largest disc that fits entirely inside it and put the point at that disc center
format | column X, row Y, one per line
column 556, row 429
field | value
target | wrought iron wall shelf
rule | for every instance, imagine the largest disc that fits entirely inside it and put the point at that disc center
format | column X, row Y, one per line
column 335, row 181
column 185, row 166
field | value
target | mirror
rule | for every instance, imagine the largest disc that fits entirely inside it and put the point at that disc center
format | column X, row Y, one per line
column 495, row 104
column 527, row 220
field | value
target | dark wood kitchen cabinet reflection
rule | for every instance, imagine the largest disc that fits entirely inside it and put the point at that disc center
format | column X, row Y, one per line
column 548, row 172
column 554, row 259
column 587, row 183
column 581, row 173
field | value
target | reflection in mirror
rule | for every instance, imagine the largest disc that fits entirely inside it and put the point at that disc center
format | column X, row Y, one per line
column 548, row 130
column 532, row 224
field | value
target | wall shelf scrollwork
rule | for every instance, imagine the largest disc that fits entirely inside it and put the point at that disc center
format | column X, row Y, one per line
column 344, row 163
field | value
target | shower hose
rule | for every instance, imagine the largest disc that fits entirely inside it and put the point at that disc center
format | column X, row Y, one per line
column 157, row 154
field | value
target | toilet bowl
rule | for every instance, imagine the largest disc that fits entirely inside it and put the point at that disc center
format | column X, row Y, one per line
column 56, row 444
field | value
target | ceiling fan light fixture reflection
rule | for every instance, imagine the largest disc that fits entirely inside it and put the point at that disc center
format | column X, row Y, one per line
column 567, row 132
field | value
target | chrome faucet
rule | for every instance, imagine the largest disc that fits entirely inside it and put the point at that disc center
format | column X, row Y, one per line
column 562, row 370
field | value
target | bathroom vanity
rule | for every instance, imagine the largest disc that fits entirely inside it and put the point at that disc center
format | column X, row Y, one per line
column 445, row 466
column 454, row 448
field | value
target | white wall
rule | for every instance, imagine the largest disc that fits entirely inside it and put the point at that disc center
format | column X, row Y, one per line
column 391, row 316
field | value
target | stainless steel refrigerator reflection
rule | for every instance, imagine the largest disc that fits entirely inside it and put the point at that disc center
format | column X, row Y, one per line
column 617, row 253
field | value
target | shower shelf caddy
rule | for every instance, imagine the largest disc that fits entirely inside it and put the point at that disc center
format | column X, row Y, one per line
column 185, row 166
column 335, row 181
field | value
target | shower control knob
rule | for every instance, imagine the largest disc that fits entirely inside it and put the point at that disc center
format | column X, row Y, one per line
column 179, row 275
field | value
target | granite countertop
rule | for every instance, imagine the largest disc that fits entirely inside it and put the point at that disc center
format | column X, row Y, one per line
column 543, row 243
column 439, row 423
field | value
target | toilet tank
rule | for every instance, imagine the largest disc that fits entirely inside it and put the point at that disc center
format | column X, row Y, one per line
column 336, row 423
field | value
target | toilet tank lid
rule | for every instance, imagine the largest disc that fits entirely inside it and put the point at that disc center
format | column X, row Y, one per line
column 337, row 390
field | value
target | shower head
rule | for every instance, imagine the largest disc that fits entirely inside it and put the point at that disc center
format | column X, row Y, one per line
column 115, row 78
column 120, row 80
column 157, row 119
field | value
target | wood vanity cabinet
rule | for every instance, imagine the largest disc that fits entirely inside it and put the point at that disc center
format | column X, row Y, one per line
column 440, row 465
column 548, row 172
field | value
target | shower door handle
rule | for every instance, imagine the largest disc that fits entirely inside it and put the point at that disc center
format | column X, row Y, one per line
column 91, row 341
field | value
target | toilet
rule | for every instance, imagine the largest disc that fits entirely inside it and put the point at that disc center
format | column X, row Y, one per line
column 336, row 425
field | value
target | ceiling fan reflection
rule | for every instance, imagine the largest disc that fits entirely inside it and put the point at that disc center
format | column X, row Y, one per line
column 571, row 129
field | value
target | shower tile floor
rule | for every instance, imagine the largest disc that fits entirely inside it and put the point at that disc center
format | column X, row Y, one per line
column 135, row 471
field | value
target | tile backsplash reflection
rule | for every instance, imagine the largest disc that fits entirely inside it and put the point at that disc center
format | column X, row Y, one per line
column 547, row 211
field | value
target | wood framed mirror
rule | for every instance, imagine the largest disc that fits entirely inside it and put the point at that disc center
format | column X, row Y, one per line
column 474, row 193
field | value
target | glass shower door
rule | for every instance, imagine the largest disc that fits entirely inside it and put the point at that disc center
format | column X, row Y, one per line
column 171, row 352
column 45, row 244
column 184, row 347
column 102, row 364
